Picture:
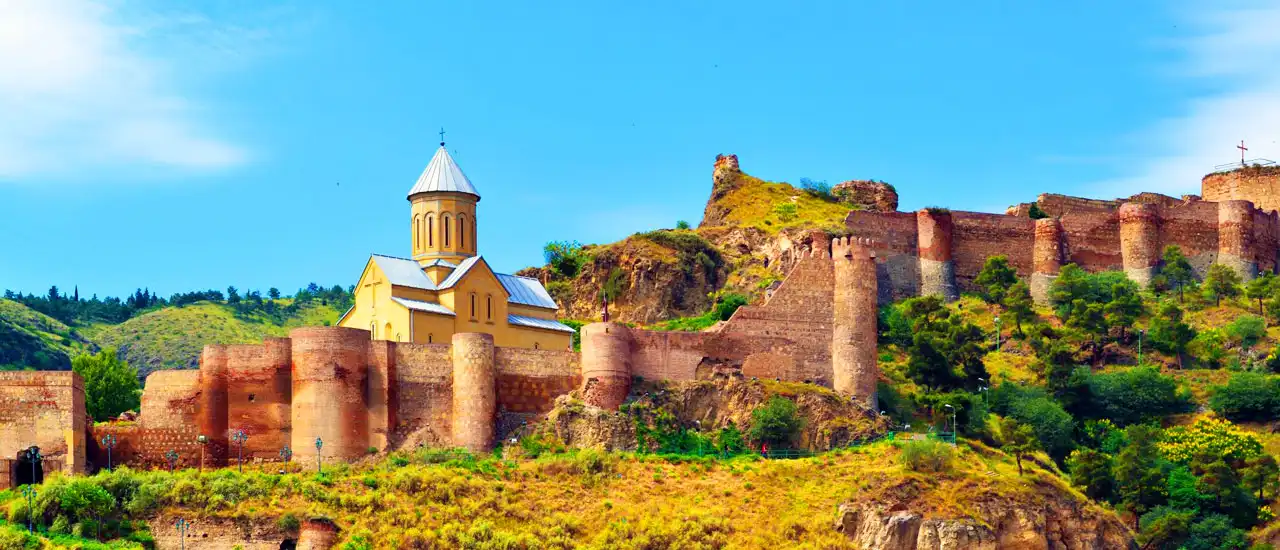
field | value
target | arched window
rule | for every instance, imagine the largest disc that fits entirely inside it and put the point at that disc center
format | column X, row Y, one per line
column 386, row 331
column 462, row 232
column 417, row 235
column 446, row 222
column 373, row 330
column 473, row 306
column 535, row 345
column 430, row 338
column 431, row 230
column 488, row 307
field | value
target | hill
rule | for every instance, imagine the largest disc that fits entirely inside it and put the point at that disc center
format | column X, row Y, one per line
column 32, row 339
column 172, row 337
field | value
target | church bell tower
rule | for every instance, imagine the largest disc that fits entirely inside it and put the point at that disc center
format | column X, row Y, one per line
column 443, row 210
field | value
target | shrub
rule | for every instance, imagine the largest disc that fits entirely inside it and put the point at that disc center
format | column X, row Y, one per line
column 819, row 189
column 893, row 326
column 785, row 211
column 1052, row 425
column 1134, row 395
column 288, row 522
column 565, row 257
column 927, row 455
column 1091, row 471
column 1208, row 436
column 1246, row 330
column 729, row 441
column 682, row 225
column 776, row 422
column 727, row 304
column 1247, row 396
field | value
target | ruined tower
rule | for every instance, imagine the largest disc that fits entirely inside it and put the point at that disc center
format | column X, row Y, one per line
column 1235, row 238
column 853, row 338
column 214, row 402
column 1139, row 241
column 606, row 364
column 937, row 268
column 475, row 397
column 1046, row 257
column 1254, row 183
column 330, row 371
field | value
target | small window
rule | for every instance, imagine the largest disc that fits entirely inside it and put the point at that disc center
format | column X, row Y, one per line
column 446, row 223
column 252, row 397
column 473, row 306
column 462, row 232
column 431, row 231
column 430, row 338
column 535, row 345
column 488, row 307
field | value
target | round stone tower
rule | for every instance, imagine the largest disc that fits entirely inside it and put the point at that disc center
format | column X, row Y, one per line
column 1235, row 238
column 213, row 403
column 606, row 364
column 475, row 397
column 330, row 370
column 853, row 340
column 1257, row 184
column 1046, row 257
column 1140, row 241
column 937, row 269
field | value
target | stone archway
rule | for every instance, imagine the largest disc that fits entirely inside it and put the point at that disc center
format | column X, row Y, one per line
column 27, row 471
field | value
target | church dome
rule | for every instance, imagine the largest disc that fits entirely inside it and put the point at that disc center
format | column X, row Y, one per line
column 443, row 176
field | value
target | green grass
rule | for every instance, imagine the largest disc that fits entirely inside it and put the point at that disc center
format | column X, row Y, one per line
column 172, row 337
column 764, row 205
column 29, row 338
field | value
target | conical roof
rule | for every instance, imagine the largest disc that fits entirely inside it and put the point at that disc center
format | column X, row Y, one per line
column 443, row 175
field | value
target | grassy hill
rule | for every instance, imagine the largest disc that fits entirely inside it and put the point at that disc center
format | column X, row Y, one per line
column 29, row 338
column 172, row 337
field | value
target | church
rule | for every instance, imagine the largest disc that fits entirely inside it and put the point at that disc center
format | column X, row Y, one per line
column 445, row 286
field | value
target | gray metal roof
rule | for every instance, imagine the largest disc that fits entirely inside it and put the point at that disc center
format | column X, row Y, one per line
column 442, row 174
column 526, row 291
column 457, row 274
column 402, row 272
column 419, row 305
column 441, row 263
column 546, row 324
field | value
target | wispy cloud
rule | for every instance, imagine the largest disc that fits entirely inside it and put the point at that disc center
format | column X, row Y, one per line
column 1231, row 50
column 86, row 88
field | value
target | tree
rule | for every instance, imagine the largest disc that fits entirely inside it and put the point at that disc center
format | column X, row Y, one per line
column 1139, row 481
column 1091, row 471
column 776, row 422
column 926, row 365
column 1261, row 288
column 1072, row 284
column 1169, row 333
column 110, row 385
column 1019, row 305
column 1125, row 306
column 1247, row 396
column 1016, row 439
column 1035, row 212
column 995, row 278
column 1165, row 527
column 682, row 224
column 273, row 293
column 233, row 295
column 1221, row 282
column 565, row 257
column 1177, row 270
column 611, row 288
column 1261, row 473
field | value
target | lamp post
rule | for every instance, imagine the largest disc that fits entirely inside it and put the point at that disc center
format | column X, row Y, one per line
column 172, row 458
column 953, row 423
column 997, row 333
column 109, row 441
column 1141, row 332
column 240, row 437
column 29, row 491
column 182, row 526
column 203, row 440
column 698, row 425
column 319, row 445
column 286, row 453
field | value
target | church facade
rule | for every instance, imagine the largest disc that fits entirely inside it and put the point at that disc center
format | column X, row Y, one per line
column 445, row 286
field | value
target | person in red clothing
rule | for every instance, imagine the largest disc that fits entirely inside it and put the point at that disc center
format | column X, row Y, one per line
column 764, row 450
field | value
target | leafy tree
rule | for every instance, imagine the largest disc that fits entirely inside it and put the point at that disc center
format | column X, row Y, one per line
column 682, row 225
column 1259, row 289
column 110, row 385
column 1221, row 282
column 1019, row 305
column 1261, row 473
column 1246, row 330
column 233, row 295
column 1215, row 532
column 1125, row 306
column 565, row 257
column 995, row 278
column 1072, row 284
column 1213, row 437
column 1176, row 269
column 1134, row 395
column 1247, row 396
column 1165, row 527
column 942, row 344
column 893, row 326
column 1035, row 212
column 1209, row 348
column 1090, row 319
column 776, row 422
column 273, row 293
column 926, row 365
column 1016, row 439
column 1169, row 333
column 1139, row 480
column 1091, row 471
column 1052, row 426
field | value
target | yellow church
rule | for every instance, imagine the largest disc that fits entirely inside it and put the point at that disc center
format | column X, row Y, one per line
column 446, row 287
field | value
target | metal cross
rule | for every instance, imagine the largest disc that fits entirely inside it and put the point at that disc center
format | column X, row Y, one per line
column 1242, row 149
column 442, row 136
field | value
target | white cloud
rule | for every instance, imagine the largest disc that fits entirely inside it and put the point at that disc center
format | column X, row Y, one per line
column 1232, row 52
column 85, row 87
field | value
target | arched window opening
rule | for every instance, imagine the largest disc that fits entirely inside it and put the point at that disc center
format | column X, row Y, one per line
column 398, row 337
column 386, row 332
column 431, row 338
column 488, row 307
column 417, row 237
column 462, row 232
column 535, row 345
column 446, row 221
column 431, row 231
column 373, row 330
column 473, row 306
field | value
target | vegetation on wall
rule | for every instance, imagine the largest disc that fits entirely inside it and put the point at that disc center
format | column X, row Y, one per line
column 110, row 385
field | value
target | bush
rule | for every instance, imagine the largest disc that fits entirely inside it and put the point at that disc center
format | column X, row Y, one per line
column 288, row 523
column 1246, row 330
column 727, row 304
column 565, row 257
column 1246, row 397
column 1208, row 436
column 776, row 422
column 819, row 189
column 927, row 455
column 1052, row 425
column 729, row 441
column 1134, row 396
column 785, row 211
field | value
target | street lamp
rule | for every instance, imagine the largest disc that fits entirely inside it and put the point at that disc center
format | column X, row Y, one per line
column 182, row 526
column 203, row 440
column 109, row 441
column 1141, row 332
column 172, row 457
column 997, row 333
column 29, row 491
column 953, row 423
column 240, row 437
column 286, row 453
column 319, row 444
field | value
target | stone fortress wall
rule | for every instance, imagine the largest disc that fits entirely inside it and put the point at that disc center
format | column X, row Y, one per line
column 936, row 251
column 360, row 395
column 45, row 409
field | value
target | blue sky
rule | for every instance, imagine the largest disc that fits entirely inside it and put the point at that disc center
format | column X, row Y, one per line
column 256, row 145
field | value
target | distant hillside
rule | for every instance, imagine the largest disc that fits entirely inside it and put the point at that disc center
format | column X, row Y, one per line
column 172, row 337
column 29, row 338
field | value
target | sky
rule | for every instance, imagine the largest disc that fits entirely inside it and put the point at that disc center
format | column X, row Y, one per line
column 184, row 146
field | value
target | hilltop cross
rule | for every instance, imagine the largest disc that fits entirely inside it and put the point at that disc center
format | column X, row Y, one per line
column 1242, row 149
column 442, row 137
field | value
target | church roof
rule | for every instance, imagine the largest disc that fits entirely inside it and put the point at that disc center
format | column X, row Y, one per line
column 402, row 272
column 526, row 291
column 545, row 324
column 419, row 305
column 443, row 175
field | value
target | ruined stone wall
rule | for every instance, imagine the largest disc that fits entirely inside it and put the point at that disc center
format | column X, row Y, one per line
column 330, row 377
column 168, row 421
column 1257, row 184
column 45, row 409
column 259, row 397
column 424, row 395
column 977, row 236
column 897, row 251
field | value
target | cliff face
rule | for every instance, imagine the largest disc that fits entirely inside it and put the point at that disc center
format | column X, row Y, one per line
column 876, row 196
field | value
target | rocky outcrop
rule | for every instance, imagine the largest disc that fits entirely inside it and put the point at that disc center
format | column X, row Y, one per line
column 1058, row 522
column 876, row 196
column 829, row 420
